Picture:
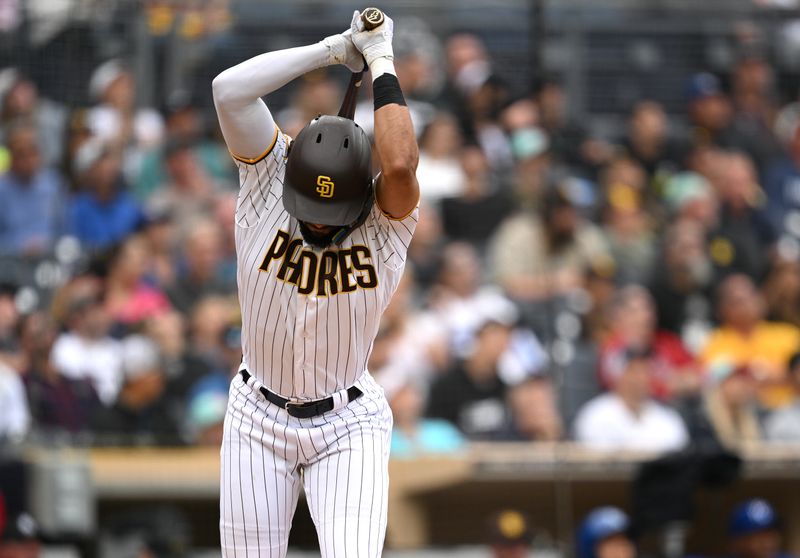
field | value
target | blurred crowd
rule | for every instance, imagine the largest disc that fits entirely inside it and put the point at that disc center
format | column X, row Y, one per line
column 637, row 291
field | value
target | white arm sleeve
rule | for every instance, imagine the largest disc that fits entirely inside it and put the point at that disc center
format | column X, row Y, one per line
column 247, row 125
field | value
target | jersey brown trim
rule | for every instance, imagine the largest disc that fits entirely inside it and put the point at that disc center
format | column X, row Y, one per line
column 392, row 217
column 255, row 160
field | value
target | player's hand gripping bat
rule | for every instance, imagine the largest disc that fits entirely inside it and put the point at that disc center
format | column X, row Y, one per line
column 372, row 18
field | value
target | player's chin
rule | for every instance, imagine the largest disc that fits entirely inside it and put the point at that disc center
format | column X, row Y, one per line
column 319, row 236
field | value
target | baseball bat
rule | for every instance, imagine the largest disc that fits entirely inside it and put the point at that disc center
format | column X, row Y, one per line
column 372, row 18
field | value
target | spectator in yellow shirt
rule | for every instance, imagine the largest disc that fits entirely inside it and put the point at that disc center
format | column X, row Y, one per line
column 744, row 338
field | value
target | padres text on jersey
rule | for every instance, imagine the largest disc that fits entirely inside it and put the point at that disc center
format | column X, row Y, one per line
column 309, row 316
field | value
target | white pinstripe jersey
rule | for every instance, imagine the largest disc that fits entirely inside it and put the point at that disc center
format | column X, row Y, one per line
column 309, row 317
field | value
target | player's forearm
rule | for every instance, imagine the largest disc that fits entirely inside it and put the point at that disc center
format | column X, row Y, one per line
column 252, row 79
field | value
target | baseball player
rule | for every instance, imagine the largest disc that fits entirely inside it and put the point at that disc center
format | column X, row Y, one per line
column 321, row 245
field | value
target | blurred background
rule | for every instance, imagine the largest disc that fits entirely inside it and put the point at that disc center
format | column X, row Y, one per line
column 595, row 350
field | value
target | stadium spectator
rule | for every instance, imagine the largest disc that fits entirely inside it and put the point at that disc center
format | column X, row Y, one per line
column 32, row 197
column 647, row 141
column 780, row 184
column 743, row 238
column 57, row 403
column 461, row 302
column 781, row 290
column 474, row 215
column 15, row 419
column 210, row 319
column 728, row 414
column 681, row 283
column 20, row 101
column 414, row 435
column 158, row 233
column 198, row 272
column 628, row 231
column 626, row 418
column 116, row 119
column 102, row 213
column 754, row 531
column 633, row 322
column 129, row 298
column 185, row 125
column 85, row 349
column 534, row 411
column 205, row 413
column 142, row 413
column 471, row 394
column 10, row 353
column 783, row 425
column 570, row 142
column 189, row 193
column 440, row 173
column 709, row 111
column 745, row 339
column 605, row 533
column 316, row 93
column 509, row 534
column 424, row 252
column 537, row 256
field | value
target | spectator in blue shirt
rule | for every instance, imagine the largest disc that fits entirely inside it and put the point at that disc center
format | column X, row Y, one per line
column 31, row 197
column 103, row 213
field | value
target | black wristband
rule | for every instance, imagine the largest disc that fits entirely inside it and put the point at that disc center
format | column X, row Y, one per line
column 386, row 90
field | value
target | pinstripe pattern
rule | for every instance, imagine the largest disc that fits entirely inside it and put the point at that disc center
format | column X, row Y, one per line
column 305, row 347
column 340, row 458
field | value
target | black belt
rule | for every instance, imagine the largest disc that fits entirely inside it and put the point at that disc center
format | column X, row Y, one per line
column 306, row 409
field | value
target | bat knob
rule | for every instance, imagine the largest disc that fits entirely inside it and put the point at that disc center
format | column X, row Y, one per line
column 372, row 18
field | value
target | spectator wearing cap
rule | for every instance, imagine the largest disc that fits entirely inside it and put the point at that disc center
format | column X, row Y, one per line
column 745, row 339
column 754, row 531
column 32, row 197
column 116, row 119
column 634, row 326
column 728, row 414
column 103, row 213
column 535, row 256
column 783, row 425
column 628, row 229
column 627, row 418
column 604, row 533
column 509, row 534
column 471, row 394
column 709, row 110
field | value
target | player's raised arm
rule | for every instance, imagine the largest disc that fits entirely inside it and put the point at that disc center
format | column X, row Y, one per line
column 247, row 125
column 398, row 190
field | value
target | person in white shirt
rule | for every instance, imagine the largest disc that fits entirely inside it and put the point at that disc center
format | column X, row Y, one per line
column 626, row 418
column 14, row 416
column 86, row 350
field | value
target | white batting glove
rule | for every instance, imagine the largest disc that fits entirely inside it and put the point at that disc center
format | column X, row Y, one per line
column 341, row 50
column 375, row 45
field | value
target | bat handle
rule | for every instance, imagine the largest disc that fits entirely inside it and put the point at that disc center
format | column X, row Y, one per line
column 372, row 18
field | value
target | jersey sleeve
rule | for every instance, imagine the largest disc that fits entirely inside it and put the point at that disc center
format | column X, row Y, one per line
column 261, row 181
column 392, row 236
